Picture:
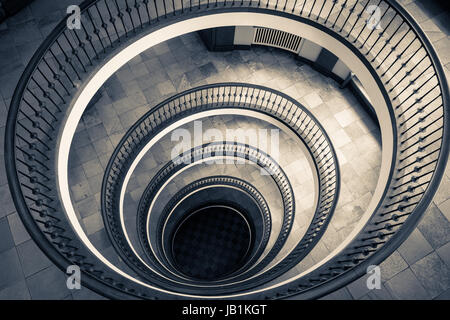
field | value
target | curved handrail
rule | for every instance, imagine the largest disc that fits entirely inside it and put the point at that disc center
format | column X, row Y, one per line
column 234, row 151
column 60, row 71
column 260, row 207
column 215, row 97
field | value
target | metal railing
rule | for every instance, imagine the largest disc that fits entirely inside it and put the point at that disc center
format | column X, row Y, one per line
column 400, row 58
column 113, row 184
column 258, row 211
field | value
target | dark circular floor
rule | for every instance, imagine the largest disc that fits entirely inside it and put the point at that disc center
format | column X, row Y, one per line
column 211, row 243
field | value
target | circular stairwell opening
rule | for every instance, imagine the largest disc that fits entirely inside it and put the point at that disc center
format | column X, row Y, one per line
column 211, row 243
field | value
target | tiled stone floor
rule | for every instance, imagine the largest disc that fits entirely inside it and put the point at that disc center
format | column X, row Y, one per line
column 418, row 269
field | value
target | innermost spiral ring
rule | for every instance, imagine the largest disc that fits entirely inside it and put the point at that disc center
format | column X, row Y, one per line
column 212, row 242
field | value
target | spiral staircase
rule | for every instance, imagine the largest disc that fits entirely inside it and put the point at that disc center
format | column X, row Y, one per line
column 225, row 219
